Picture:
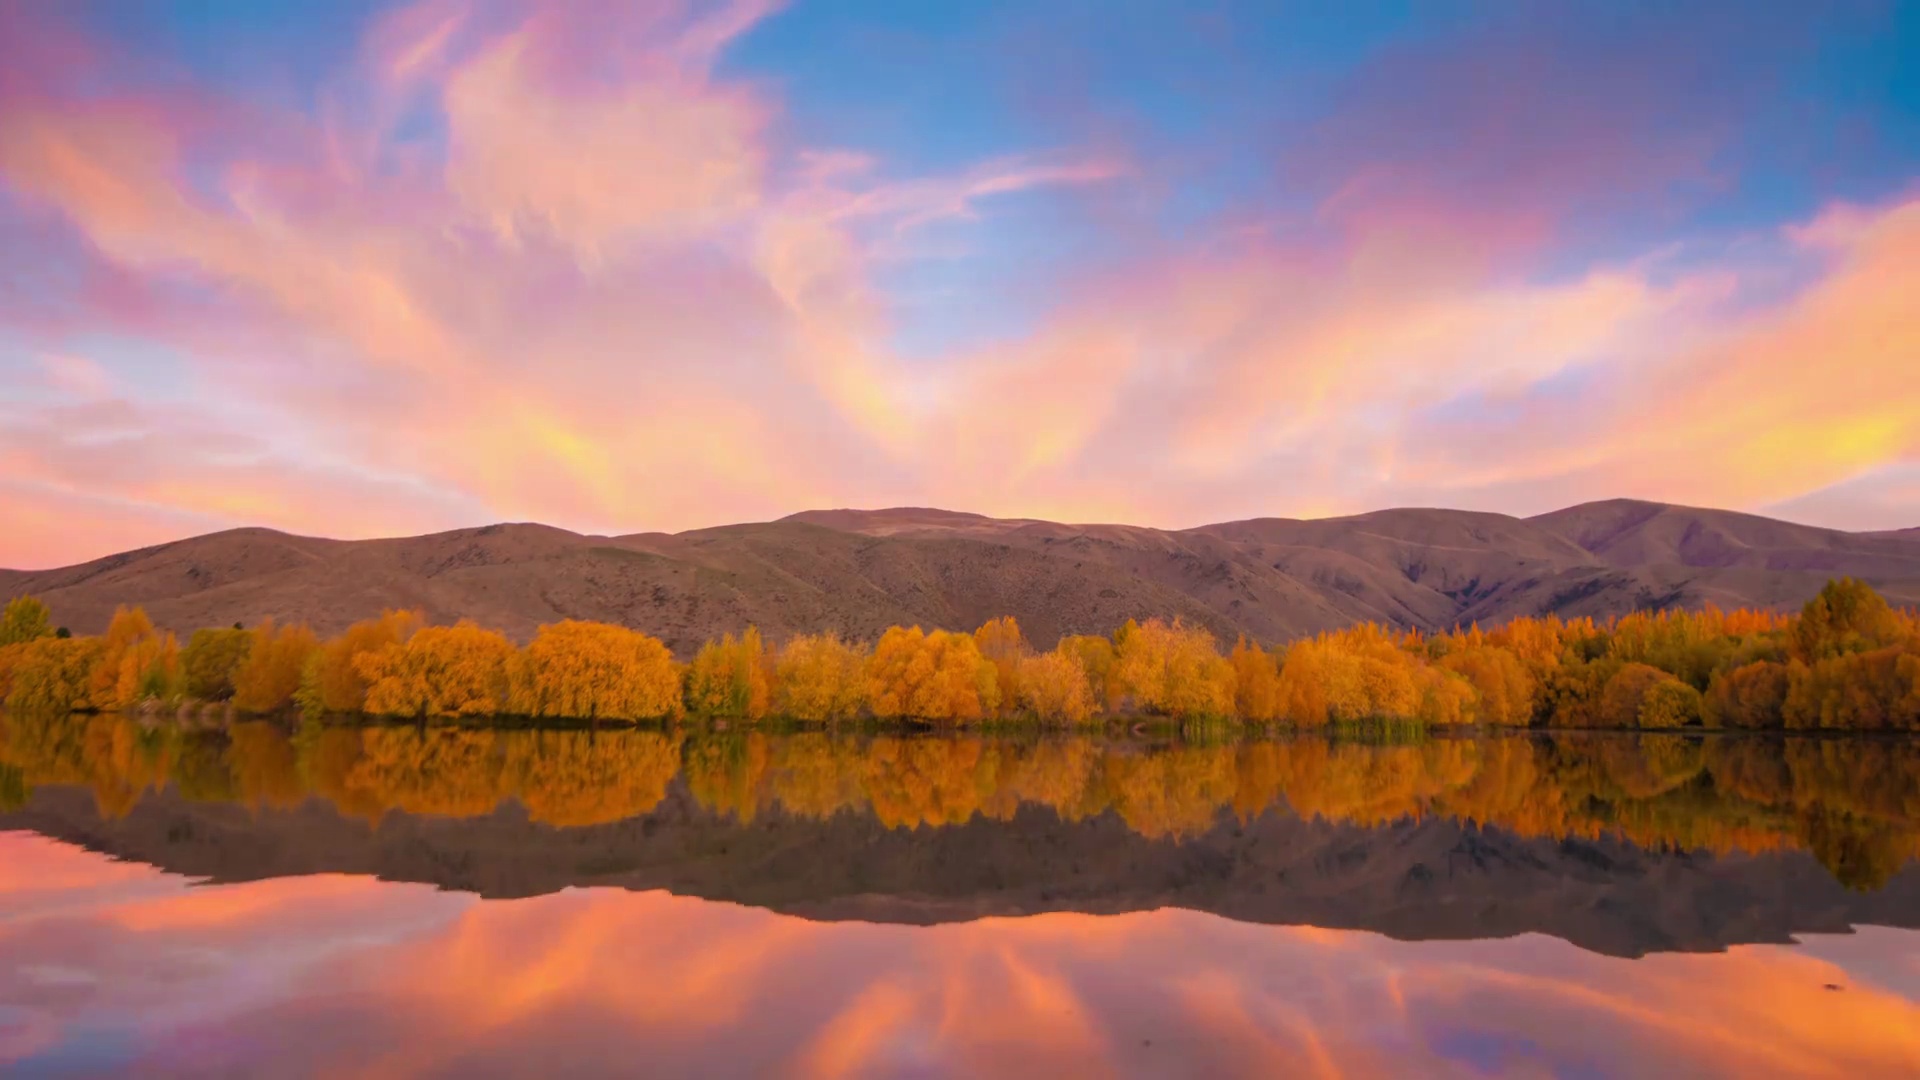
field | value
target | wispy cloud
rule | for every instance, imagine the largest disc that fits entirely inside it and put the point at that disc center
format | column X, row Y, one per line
column 516, row 263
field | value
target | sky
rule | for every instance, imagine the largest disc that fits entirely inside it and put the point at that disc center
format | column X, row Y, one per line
column 355, row 269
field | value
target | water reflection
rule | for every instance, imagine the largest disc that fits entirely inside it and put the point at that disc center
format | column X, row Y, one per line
column 1852, row 803
column 115, row 969
column 182, row 900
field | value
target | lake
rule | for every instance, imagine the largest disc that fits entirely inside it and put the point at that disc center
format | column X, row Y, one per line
column 294, row 900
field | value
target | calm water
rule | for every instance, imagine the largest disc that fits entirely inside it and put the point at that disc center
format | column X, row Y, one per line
column 401, row 901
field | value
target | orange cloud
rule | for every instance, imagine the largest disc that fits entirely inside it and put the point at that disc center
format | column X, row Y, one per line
column 1756, row 407
column 615, row 295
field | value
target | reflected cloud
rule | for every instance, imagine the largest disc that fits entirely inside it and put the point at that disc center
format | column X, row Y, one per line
column 599, row 979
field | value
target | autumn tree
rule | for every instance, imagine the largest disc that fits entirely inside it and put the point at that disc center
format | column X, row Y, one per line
column 939, row 676
column 1096, row 656
column 594, row 671
column 1669, row 704
column 1750, row 696
column 731, row 677
column 25, row 619
column 53, row 675
column 1053, row 687
column 1175, row 670
column 459, row 670
column 266, row 681
column 1626, row 693
column 819, row 678
column 137, row 663
column 1004, row 646
column 1353, row 674
column 1573, row 691
column 1689, row 645
column 128, row 627
column 1445, row 697
column 211, row 660
column 1847, row 616
column 1875, row 690
column 1504, row 688
column 1256, row 682
column 11, row 657
column 329, row 681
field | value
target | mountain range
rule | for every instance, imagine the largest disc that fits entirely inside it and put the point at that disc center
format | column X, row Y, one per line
column 860, row 571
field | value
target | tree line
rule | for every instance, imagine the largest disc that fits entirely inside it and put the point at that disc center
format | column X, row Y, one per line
column 1847, row 660
column 1853, row 803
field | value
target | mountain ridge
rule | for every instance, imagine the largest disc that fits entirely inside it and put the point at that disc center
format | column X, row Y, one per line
column 858, row 571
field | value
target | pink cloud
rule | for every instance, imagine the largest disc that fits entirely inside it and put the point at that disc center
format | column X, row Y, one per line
column 615, row 297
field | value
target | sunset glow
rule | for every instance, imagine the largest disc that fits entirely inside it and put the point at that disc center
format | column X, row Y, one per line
column 355, row 270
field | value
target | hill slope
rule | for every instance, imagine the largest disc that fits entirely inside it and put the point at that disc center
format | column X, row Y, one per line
column 858, row 572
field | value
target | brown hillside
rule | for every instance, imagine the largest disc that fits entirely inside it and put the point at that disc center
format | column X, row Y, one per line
column 858, row 572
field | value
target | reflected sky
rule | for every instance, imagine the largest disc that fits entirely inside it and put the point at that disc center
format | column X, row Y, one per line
column 111, row 967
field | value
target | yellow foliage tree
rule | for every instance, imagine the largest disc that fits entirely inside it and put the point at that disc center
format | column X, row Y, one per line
column 1501, row 681
column 1875, row 690
column 138, row 662
column 459, row 670
column 1847, row 617
column 1620, row 702
column 11, row 656
column 1174, row 670
column 1053, row 687
column 1004, row 646
column 1355, row 674
column 1669, row 704
column 329, row 683
column 939, row 676
column 1446, row 698
column 211, row 659
column 1256, row 682
column 26, row 619
column 1750, row 696
column 731, row 677
column 819, row 678
column 53, row 675
column 1096, row 656
column 594, row 671
column 267, row 680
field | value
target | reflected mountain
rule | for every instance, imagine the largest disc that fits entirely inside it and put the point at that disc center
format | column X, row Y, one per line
column 1620, row 844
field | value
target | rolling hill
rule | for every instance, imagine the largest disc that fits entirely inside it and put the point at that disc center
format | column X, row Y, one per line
column 857, row 572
